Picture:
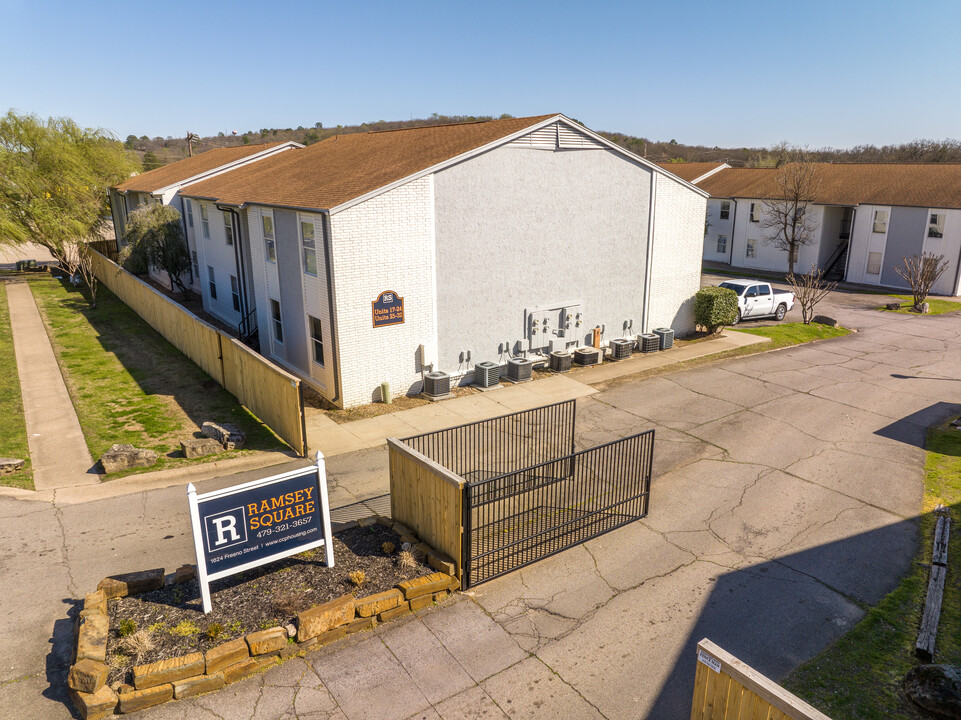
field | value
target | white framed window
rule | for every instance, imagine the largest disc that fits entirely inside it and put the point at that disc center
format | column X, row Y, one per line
column 874, row 263
column 310, row 248
column 276, row 322
column 722, row 244
column 190, row 213
column 212, row 282
column 195, row 264
column 235, row 293
column 228, row 228
column 755, row 212
column 880, row 224
column 936, row 225
column 317, row 339
column 270, row 244
column 725, row 210
column 204, row 222
column 751, row 249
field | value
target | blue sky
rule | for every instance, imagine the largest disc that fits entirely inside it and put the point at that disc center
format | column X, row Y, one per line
column 716, row 73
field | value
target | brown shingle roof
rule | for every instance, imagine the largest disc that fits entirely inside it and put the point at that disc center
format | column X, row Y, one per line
column 345, row 167
column 690, row 171
column 917, row 185
column 189, row 167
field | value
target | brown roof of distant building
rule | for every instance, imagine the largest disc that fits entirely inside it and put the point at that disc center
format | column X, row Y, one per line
column 690, row 171
column 916, row 185
column 181, row 170
column 345, row 167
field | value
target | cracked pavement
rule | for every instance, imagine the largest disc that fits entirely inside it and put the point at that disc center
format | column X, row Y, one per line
column 785, row 500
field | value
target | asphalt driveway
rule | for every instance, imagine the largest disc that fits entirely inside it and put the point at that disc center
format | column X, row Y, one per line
column 787, row 492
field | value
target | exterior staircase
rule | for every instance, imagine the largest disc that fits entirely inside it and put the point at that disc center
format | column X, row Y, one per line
column 835, row 270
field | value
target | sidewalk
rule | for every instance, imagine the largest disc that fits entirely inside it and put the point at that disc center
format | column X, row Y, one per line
column 332, row 438
column 58, row 450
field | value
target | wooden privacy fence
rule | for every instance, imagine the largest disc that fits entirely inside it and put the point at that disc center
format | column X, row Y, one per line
column 727, row 689
column 427, row 498
column 269, row 392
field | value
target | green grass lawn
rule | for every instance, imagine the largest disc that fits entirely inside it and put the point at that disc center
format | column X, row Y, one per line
column 786, row 334
column 13, row 431
column 127, row 383
column 859, row 676
column 935, row 306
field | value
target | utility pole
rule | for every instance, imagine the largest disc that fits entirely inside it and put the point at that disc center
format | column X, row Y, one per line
column 191, row 138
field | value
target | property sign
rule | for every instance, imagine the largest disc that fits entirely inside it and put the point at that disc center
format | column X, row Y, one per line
column 248, row 525
column 388, row 309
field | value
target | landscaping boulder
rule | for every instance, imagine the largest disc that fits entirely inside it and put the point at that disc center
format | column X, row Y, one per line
column 893, row 306
column 228, row 435
column 124, row 457
column 198, row 447
column 134, row 583
column 825, row 320
column 936, row 688
column 8, row 466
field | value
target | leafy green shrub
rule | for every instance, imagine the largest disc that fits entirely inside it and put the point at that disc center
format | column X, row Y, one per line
column 185, row 628
column 715, row 307
column 127, row 627
column 214, row 630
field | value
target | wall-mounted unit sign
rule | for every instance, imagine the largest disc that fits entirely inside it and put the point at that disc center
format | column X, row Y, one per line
column 388, row 309
column 244, row 526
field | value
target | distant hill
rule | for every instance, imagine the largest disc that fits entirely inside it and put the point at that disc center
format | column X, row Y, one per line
column 158, row 151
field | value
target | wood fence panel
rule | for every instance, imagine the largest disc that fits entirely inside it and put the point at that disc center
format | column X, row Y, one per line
column 739, row 692
column 427, row 498
column 268, row 391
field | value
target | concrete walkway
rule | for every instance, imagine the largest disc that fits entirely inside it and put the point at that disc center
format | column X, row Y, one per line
column 333, row 438
column 58, row 451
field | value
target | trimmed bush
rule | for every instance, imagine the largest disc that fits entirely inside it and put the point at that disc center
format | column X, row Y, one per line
column 715, row 307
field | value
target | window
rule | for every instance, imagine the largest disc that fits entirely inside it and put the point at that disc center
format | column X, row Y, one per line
column 880, row 221
column 317, row 339
column 751, row 292
column 228, row 228
column 190, row 213
column 310, row 250
column 194, row 264
column 212, row 283
column 269, row 242
column 204, row 223
column 722, row 244
column 755, row 213
column 725, row 210
column 235, row 292
column 751, row 251
column 874, row 263
column 763, row 289
column 276, row 322
column 936, row 225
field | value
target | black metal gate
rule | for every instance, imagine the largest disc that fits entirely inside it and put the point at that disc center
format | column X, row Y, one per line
column 521, row 517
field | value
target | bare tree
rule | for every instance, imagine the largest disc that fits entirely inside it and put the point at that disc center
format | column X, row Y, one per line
column 809, row 290
column 921, row 273
column 788, row 221
column 85, row 270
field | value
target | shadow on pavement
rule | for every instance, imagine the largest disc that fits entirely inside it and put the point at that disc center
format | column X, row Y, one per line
column 913, row 429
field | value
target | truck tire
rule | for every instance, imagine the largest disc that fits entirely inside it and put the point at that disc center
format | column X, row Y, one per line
column 780, row 312
column 737, row 319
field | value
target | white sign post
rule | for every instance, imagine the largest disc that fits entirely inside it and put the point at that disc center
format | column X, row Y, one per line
column 248, row 525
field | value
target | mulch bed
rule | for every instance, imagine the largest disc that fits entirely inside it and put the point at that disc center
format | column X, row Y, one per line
column 268, row 596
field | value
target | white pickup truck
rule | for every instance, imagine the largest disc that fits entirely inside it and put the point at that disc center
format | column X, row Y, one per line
column 757, row 299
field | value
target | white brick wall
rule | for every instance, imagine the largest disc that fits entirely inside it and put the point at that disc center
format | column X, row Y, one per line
column 385, row 243
column 676, row 263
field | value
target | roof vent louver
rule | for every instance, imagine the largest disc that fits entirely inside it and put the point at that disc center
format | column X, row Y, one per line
column 437, row 384
column 487, row 374
column 621, row 348
column 519, row 369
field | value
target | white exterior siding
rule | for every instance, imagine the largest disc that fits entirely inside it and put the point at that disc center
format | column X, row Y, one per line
column 768, row 257
column 676, row 256
column 385, row 243
column 715, row 227
column 216, row 253
column 950, row 247
column 865, row 241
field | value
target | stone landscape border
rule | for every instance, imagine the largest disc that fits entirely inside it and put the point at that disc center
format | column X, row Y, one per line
column 188, row 675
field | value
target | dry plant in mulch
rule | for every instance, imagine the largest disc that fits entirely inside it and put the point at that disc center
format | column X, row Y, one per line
column 169, row 622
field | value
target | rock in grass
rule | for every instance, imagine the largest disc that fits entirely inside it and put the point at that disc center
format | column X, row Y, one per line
column 8, row 466
column 123, row 457
column 936, row 688
column 199, row 447
column 228, row 435
column 825, row 320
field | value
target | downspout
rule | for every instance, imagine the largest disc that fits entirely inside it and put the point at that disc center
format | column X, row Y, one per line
column 847, row 260
column 730, row 250
column 335, row 350
column 238, row 258
column 650, row 253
